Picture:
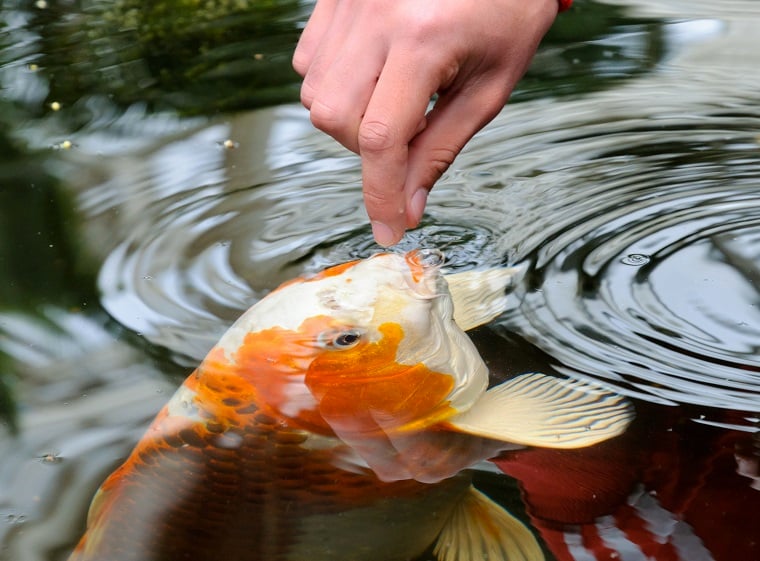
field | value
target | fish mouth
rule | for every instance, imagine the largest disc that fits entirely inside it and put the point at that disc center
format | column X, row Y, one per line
column 425, row 269
column 425, row 257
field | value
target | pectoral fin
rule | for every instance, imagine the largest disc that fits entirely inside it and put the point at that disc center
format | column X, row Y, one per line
column 479, row 296
column 539, row 410
column 480, row 529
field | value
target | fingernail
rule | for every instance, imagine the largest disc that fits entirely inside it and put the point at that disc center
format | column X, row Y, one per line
column 383, row 234
column 417, row 206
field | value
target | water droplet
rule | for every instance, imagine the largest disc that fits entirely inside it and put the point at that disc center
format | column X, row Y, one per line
column 50, row 458
column 228, row 144
column 64, row 145
column 635, row 259
column 147, row 277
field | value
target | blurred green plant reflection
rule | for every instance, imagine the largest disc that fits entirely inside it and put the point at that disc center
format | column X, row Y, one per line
column 195, row 57
column 41, row 264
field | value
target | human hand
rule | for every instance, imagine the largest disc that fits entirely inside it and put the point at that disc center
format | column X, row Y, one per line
column 370, row 68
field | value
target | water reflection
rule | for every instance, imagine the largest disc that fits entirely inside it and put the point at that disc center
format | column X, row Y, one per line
column 657, row 493
column 625, row 189
column 638, row 260
column 87, row 398
column 219, row 55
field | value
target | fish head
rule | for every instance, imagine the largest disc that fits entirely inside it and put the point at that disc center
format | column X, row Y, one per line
column 364, row 347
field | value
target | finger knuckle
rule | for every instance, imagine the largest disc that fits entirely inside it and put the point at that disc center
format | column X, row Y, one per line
column 325, row 117
column 300, row 62
column 307, row 95
column 422, row 24
column 441, row 159
column 381, row 200
column 375, row 136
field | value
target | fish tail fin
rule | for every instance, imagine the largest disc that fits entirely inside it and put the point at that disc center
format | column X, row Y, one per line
column 478, row 528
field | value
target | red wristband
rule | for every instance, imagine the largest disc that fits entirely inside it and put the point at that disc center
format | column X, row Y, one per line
column 565, row 4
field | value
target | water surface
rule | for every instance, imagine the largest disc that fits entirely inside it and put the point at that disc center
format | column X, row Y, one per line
column 623, row 183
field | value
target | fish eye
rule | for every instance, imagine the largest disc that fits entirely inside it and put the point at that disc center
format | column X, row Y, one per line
column 347, row 339
column 340, row 339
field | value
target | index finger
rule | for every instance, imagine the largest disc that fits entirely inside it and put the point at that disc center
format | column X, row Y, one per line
column 394, row 116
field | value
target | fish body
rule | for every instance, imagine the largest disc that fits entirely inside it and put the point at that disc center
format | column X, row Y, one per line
column 333, row 421
column 267, row 492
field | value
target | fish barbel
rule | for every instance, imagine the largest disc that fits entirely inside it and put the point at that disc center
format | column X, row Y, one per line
column 333, row 421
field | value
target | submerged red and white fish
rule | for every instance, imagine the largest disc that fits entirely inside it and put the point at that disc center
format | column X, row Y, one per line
column 334, row 421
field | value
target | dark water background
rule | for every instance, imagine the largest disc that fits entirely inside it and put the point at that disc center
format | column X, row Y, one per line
column 156, row 179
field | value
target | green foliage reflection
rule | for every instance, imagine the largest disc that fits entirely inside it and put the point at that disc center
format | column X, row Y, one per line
column 192, row 56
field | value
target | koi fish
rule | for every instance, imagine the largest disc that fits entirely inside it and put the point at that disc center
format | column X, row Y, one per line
column 334, row 420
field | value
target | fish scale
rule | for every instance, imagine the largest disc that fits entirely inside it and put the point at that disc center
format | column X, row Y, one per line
column 201, row 501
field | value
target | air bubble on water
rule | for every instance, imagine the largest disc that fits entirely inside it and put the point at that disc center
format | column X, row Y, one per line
column 635, row 259
column 50, row 458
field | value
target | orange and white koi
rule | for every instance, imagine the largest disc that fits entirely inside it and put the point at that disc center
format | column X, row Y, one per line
column 333, row 421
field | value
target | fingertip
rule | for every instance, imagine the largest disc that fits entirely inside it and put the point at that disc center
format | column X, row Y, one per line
column 384, row 235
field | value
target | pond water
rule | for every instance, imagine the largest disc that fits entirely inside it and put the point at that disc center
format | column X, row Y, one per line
column 157, row 180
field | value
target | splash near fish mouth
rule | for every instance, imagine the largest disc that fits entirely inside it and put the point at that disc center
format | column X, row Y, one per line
column 346, row 395
column 422, row 261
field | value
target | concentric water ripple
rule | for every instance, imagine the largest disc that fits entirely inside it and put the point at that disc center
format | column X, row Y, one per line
column 649, row 274
column 184, row 277
column 642, row 260
column 635, row 214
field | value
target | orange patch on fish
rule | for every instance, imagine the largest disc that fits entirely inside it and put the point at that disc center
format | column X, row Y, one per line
column 298, row 375
column 271, row 363
column 364, row 390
